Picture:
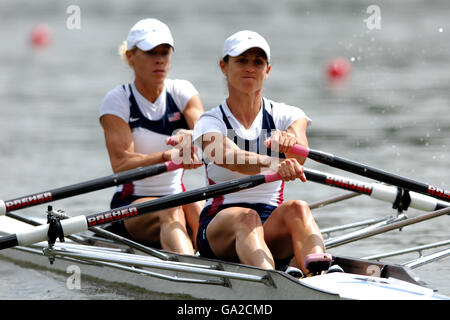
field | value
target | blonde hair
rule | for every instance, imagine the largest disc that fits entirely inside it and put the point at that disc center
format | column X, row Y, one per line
column 123, row 52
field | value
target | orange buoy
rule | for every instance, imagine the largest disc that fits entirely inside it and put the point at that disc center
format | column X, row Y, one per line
column 40, row 35
column 338, row 68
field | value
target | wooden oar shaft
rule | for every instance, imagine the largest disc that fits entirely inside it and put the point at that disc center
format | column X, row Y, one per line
column 372, row 173
column 85, row 187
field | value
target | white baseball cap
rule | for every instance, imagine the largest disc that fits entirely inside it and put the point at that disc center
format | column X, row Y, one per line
column 147, row 34
column 241, row 41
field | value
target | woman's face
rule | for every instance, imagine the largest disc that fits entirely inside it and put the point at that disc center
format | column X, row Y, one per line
column 247, row 71
column 151, row 66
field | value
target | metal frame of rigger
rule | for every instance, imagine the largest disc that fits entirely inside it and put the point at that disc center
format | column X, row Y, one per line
column 218, row 279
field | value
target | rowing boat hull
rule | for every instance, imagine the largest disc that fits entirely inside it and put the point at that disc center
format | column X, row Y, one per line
column 227, row 280
column 283, row 288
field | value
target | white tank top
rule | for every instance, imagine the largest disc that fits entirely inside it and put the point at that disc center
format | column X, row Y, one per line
column 151, row 123
column 272, row 116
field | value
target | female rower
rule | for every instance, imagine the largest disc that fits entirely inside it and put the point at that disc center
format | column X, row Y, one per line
column 254, row 226
column 137, row 118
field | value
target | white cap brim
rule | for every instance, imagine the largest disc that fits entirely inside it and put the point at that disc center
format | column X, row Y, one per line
column 242, row 41
column 147, row 45
column 244, row 47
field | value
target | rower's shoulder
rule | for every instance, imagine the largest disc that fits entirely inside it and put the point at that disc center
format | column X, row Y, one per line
column 277, row 106
column 178, row 84
column 285, row 114
column 212, row 113
column 210, row 121
column 119, row 91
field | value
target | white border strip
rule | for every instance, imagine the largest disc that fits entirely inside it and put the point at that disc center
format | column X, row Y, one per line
column 2, row 208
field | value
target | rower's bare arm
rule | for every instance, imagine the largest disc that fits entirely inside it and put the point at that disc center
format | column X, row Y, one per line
column 193, row 110
column 120, row 146
column 225, row 153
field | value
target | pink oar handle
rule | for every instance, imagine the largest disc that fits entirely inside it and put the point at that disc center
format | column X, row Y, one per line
column 296, row 149
column 274, row 176
column 271, row 177
column 299, row 150
column 170, row 165
column 171, row 141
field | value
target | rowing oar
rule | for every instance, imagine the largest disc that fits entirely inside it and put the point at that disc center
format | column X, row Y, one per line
column 371, row 172
column 86, row 187
column 82, row 223
column 377, row 191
